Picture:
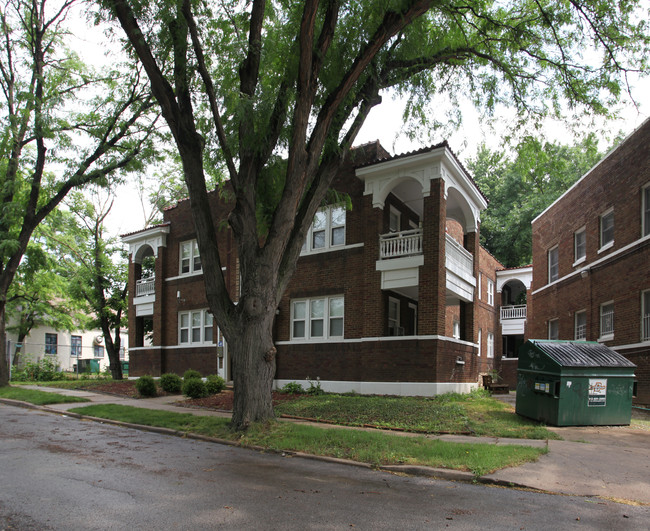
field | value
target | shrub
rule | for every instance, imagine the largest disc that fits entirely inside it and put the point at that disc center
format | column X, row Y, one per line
column 42, row 371
column 190, row 374
column 171, row 383
column 292, row 388
column 195, row 388
column 215, row 384
column 146, row 386
column 315, row 389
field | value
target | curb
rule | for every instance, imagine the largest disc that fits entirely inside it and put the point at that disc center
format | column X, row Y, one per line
column 410, row 470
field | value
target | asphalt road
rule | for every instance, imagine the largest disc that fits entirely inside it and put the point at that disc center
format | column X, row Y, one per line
column 62, row 473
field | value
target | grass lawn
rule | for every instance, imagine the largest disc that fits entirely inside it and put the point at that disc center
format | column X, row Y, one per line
column 39, row 398
column 369, row 447
column 475, row 413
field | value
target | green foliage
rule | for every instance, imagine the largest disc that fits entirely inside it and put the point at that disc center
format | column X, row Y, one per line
column 314, row 389
column 39, row 398
column 215, row 384
column 519, row 189
column 195, row 388
column 171, row 383
column 375, row 448
column 44, row 370
column 146, row 386
column 292, row 388
column 191, row 374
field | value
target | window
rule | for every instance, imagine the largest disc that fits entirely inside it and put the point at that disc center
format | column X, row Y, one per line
column 75, row 346
column 51, row 344
column 553, row 264
column 646, row 210
column 122, row 353
column 607, row 320
column 393, row 317
column 581, row 325
column 190, row 260
column 480, row 339
column 645, row 316
column 317, row 319
column 327, row 229
column 607, row 229
column 580, row 245
column 394, row 220
column 456, row 330
column 195, row 328
column 480, row 276
column 554, row 329
column 490, row 292
column 98, row 351
column 490, row 345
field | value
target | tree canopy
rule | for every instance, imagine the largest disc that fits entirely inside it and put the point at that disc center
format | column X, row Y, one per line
column 521, row 187
column 276, row 92
column 62, row 126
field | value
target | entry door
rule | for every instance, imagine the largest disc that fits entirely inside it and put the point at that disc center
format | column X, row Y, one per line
column 223, row 360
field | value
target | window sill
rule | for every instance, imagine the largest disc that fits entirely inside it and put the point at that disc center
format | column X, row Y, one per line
column 606, row 247
column 606, row 337
column 579, row 261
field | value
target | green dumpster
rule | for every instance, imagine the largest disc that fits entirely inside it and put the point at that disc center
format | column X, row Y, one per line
column 125, row 367
column 574, row 383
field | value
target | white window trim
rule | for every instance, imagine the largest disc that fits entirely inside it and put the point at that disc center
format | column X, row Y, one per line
column 480, row 338
column 645, row 316
column 555, row 249
column 456, row 330
column 326, row 320
column 645, row 205
column 609, row 335
column 397, row 320
column 490, row 292
column 194, row 253
column 205, row 318
column 480, row 276
column 414, row 307
column 604, row 246
column 575, row 325
column 308, row 245
column 394, row 211
column 490, row 345
column 553, row 322
column 582, row 230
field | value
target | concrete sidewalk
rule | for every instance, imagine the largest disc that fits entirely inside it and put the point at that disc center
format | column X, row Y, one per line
column 611, row 462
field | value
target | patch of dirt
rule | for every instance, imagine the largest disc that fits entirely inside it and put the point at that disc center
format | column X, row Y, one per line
column 223, row 401
column 220, row 402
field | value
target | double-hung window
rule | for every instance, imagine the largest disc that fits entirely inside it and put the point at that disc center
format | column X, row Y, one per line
column 327, row 230
column 51, row 344
column 580, row 325
column 645, row 315
column 317, row 319
column 98, row 351
column 195, row 328
column 607, row 320
column 490, row 292
column 490, row 345
column 75, row 346
column 554, row 329
column 190, row 261
column 579, row 245
column 553, row 264
column 607, row 230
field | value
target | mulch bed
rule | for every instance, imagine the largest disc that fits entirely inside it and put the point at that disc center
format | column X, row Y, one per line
column 220, row 402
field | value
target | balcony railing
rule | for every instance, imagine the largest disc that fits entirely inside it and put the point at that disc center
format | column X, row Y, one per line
column 398, row 244
column 145, row 286
column 513, row 312
column 458, row 258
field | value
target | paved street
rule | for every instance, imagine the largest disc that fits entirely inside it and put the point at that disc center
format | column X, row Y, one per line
column 63, row 473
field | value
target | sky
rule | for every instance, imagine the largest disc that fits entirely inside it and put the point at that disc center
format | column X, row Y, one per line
column 385, row 123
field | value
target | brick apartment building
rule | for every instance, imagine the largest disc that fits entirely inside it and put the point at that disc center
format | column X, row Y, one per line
column 591, row 256
column 394, row 295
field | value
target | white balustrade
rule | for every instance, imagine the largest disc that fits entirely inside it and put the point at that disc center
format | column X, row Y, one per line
column 397, row 244
column 513, row 312
column 458, row 258
column 145, row 286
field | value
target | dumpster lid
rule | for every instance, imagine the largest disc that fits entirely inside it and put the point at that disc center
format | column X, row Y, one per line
column 581, row 353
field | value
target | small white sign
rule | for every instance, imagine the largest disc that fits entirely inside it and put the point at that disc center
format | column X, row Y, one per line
column 597, row 392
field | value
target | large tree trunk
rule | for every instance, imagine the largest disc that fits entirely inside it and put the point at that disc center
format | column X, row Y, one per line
column 253, row 361
column 4, row 363
column 19, row 349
